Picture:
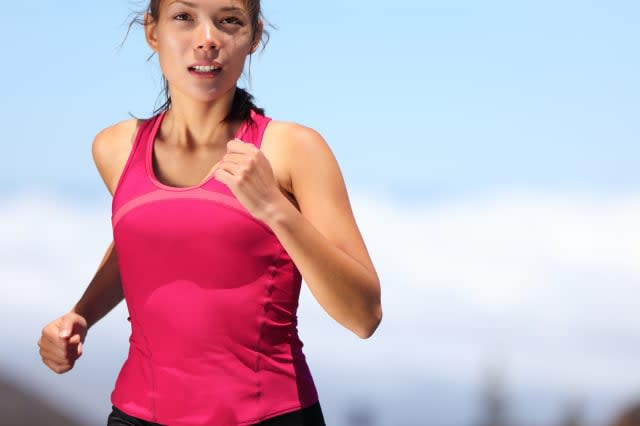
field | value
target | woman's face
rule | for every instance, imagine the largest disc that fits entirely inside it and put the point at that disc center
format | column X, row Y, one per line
column 201, row 45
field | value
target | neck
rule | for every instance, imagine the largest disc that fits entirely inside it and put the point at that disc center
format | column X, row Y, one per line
column 192, row 124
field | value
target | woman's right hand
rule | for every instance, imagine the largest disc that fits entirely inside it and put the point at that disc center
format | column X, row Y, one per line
column 61, row 342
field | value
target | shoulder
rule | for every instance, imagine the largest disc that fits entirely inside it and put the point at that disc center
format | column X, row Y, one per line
column 295, row 141
column 304, row 155
column 295, row 150
column 290, row 132
column 111, row 148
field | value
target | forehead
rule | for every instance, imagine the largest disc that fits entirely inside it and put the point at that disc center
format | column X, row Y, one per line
column 240, row 5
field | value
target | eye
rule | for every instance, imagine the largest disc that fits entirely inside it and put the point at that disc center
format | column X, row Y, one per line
column 182, row 17
column 233, row 20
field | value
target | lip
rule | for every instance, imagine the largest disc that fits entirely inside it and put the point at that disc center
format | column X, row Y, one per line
column 205, row 75
column 206, row 64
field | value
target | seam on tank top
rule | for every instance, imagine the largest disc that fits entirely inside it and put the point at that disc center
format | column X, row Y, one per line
column 136, row 143
column 262, row 315
column 154, row 413
column 197, row 194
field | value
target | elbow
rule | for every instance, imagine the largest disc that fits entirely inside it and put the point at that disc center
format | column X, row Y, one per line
column 367, row 329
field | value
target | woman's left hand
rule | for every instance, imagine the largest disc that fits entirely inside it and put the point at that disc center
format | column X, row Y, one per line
column 248, row 173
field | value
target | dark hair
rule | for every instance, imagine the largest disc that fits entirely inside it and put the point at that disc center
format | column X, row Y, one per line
column 242, row 101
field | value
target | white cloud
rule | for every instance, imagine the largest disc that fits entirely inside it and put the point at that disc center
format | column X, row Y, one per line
column 543, row 279
column 546, row 282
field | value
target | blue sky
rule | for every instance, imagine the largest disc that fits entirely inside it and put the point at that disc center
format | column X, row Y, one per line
column 417, row 99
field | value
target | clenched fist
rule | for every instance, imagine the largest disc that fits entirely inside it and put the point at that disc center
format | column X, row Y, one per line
column 61, row 342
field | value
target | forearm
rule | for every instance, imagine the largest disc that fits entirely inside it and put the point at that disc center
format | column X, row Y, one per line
column 346, row 289
column 104, row 291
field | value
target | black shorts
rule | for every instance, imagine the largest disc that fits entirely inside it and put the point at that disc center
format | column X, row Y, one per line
column 310, row 416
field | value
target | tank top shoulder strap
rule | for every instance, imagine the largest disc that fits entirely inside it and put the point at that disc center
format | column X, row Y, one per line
column 147, row 128
column 253, row 129
column 136, row 159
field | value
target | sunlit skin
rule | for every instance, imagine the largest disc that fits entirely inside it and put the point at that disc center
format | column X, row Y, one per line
column 292, row 183
column 186, row 34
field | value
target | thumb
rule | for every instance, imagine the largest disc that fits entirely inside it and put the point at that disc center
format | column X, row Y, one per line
column 66, row 325
column 65, row 329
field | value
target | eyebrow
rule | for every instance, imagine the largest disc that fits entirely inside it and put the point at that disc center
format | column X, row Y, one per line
column 232, row 9
column 195, row 6
column 185, row 3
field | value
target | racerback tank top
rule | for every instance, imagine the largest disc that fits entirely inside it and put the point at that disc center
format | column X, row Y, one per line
column 212, row 297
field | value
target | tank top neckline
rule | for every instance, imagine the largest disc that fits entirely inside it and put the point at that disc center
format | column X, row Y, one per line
column 150, row 141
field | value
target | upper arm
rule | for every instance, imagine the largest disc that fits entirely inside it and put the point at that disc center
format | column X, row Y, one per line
column 111, row 148
column 319, row 188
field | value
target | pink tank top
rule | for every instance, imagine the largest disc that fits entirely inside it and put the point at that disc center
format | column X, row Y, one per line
column 212, row 298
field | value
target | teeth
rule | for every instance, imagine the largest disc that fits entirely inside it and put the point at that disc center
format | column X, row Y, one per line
column 205, row 68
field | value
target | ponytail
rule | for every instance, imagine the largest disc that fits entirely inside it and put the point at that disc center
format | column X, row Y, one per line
column 242, row 106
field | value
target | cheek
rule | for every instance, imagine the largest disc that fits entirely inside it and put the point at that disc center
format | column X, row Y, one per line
column 175, row 44
column 171, row 51
column 241, row 48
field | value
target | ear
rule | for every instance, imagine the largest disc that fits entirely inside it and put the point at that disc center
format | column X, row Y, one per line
column 257, row 37
column 150, row 31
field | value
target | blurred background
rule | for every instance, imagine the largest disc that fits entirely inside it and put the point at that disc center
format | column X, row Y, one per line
column 490, row 152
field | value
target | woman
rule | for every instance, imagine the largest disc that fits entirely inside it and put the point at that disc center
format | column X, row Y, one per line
column 218, row 212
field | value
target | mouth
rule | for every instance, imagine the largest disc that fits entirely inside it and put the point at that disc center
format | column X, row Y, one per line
column 206, row 71
column 205, row 68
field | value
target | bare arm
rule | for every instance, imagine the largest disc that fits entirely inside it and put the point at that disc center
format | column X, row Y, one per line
column 321, row 236
column 104, row 291
column 61, row 342
column 110, row 151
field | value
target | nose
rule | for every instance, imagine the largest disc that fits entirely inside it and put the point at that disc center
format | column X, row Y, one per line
column 207, row 39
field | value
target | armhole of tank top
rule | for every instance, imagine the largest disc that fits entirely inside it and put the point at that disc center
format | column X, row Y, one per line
column 140, row 131
column 262, row 122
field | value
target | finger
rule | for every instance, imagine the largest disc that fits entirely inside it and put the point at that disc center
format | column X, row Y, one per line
column 235, row 157
column 46, row 352
column 236, row 145
column 222, row 175
column 229, row 167
column 58, row 367
column 49, row 340
column 75, row 339
column 47, row 359
column 72, row 354
column 57, row 354
column 67, row 328
column 59, row 346
column 55, row 347
column 72, row 323
column 78, row 325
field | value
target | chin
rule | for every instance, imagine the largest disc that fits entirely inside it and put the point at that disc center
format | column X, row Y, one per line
column 209, row 95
